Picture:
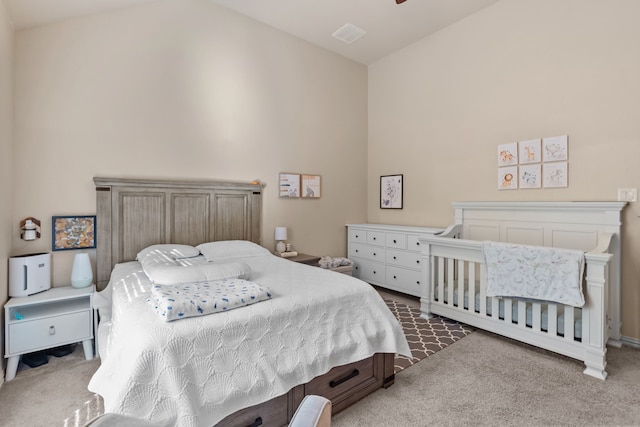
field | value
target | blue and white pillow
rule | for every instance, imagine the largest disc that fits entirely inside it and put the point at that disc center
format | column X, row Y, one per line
column 173, row 302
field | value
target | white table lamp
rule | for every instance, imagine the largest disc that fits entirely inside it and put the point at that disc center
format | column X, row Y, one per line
column 281, row 236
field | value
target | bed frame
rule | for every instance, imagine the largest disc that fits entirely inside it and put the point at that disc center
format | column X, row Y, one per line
column 454, row 261
column 135, row 213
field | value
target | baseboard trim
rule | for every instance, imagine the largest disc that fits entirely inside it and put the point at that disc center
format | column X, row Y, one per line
column 631, row 342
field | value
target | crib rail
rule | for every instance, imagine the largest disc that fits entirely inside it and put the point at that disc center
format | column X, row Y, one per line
column 455, row 286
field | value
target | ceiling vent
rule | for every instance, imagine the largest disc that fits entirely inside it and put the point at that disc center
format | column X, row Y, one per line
column 349, row 33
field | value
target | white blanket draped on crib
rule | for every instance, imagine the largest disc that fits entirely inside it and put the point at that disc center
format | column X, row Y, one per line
column 540, row 273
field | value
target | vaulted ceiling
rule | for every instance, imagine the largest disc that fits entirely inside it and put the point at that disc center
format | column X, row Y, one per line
column 387, row 26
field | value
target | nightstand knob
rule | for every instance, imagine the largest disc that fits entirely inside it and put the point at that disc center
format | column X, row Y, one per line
column 52, row 330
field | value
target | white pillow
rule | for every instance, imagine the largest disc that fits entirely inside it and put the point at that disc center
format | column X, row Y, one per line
column 226, row 249
column 173, row 251
column 174, row 274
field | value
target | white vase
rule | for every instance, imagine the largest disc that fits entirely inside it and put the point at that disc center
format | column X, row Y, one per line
column 81, row 273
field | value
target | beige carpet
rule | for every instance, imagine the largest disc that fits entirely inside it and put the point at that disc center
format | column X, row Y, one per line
column 51, row 395
column 485, row 380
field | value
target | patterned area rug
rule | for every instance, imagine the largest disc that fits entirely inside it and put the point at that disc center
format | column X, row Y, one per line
column 425, row 337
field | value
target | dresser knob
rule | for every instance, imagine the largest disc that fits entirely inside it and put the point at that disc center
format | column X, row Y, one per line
column 418, row 261
column 418, row 282
column 418, row 244
column 395, row 257
column 395, row 241
column 374, row 272
column 374, row 238
column 394, row 277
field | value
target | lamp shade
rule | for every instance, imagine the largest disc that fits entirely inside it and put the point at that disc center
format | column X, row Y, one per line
column 281, row 233
column 81, row 273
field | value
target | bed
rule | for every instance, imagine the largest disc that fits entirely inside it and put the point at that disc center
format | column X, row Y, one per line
column 456, row 278
column 247, row 366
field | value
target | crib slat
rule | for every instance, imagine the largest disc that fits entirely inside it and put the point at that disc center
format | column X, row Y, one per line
column 536, row 316
column 461, row 278
column 471, row 299
column 495, row 307
column 552, row 319
column 451, row 282
column 569, row 320
column 483, row 289
column 508, row 310
column 440, row 286
column 522, row 314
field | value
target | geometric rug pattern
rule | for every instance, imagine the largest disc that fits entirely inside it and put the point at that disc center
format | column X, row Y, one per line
column 425, row 337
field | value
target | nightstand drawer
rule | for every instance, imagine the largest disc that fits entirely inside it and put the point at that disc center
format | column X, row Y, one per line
column 49, row 332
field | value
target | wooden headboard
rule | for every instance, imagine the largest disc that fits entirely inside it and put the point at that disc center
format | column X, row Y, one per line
column 135, row 213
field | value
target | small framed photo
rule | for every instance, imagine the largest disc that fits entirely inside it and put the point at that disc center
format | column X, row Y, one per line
column 555, row 175
column 554, row 149
column 289, row 185
column 73, row 232
column 391, row 192
column 310, row 187
column 508, row 178
column 508, row 154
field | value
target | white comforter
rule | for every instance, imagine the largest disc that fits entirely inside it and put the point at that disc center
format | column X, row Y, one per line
column 196, row 371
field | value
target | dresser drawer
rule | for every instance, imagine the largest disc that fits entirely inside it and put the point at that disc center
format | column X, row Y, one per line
column 369, row 271
column 404, row 280
column 372, row 253
column 404, row 259
column 413, row 244
column 357, row 235
column 342, row 379
column 375, row 238
column 396, row 240
column 49, row 332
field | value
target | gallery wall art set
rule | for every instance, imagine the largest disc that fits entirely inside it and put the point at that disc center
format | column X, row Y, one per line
column 534, row 163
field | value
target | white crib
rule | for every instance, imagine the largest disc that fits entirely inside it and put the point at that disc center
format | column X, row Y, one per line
column 454, row 284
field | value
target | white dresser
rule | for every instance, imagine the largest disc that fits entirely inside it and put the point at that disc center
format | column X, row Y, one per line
column 388, row 255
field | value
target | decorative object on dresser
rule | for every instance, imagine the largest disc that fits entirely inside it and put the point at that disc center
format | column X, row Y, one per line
column 281, row 237
column 52, row 318
column 458, row 272
column 388, row 255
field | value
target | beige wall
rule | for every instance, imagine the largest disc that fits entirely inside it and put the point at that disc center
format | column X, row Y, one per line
column 515, row 71
column 187, row 89
column 7, row 228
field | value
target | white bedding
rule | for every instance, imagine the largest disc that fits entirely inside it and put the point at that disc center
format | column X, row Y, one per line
column 196, row 371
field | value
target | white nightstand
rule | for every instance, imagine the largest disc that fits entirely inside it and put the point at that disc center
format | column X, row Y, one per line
column 52, row 318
